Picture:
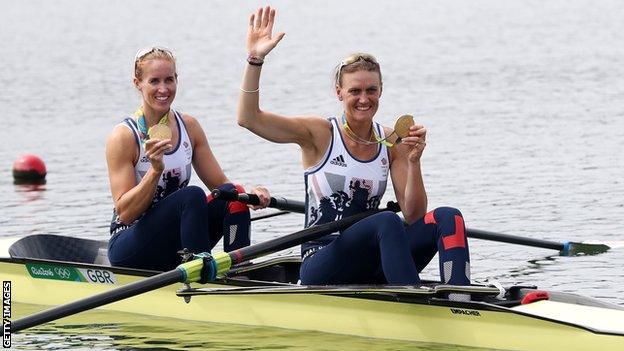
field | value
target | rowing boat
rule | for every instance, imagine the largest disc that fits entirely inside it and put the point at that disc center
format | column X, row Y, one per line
column 53, row 270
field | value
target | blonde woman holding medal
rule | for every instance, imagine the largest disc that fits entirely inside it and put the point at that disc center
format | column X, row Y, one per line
column 150, row 156
column 347, row 161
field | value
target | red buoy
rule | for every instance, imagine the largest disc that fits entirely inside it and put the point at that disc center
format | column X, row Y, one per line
column 29, row 169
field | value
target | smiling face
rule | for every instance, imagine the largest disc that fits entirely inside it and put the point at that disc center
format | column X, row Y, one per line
column 360, row 92
column 158, row 84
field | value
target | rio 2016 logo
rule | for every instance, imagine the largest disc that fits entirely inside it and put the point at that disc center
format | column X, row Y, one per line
column 63, row 273
column 73, row 274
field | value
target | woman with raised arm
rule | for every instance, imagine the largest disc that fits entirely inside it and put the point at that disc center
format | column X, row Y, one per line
column 347, row 161
column 149, row 157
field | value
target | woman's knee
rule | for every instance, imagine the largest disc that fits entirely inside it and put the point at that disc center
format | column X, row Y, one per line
column 193, row 194
column 190, row 195
column 446, row 212
column 387, row 218
column 388, row 223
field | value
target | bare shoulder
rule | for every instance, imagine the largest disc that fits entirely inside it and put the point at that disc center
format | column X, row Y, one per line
column 316, row 123
column 190, row 120
column 121, row 144
column 194, row 129
column 319, row 131
column 120, row 135
column 316, row 139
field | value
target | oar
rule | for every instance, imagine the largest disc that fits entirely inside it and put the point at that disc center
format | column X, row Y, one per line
column 566, row 248
column 203, row 268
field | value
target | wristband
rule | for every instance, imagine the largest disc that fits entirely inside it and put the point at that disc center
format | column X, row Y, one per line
column 249, row 91
column 255, row 60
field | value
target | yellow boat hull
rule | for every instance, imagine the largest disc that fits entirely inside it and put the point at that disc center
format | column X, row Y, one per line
column 472, row 324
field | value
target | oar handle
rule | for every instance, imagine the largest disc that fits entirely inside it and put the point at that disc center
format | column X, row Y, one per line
column 253, row 199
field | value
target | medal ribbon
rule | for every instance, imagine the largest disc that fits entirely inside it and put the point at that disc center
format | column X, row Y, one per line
column 140, row 115
column 378, row 139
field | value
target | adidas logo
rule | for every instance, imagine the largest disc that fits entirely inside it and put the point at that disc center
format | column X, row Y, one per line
column 338, row 161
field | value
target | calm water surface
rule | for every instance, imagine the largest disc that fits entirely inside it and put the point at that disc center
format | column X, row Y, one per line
column 523, row 102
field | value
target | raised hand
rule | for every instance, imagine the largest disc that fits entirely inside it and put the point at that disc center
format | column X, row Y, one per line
column 416, row 142
column 260, row 40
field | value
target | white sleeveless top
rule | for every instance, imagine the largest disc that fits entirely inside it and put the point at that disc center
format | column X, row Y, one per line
column 178, row 161
column 341, row 185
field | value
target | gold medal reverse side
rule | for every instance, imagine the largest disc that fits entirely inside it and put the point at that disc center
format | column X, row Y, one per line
column 403, row 124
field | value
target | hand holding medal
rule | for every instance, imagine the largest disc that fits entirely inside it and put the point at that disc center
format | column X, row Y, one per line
column 152, row 139
column 401, row 129
column 414, row 138
column 157, row 133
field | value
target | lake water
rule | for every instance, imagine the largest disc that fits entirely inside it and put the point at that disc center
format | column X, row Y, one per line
column 523, row 101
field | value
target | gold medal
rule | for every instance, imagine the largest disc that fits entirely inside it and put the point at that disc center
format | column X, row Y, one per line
column 402, row 125
column 159, row 131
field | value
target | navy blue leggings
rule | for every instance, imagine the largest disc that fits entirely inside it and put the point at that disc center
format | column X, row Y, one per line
column 380, row 249
column 184, row 219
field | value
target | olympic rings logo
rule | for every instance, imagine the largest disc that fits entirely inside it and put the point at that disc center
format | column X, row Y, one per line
column 62, row 272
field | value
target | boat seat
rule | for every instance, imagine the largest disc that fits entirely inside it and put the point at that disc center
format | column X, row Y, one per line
column 61, row 248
